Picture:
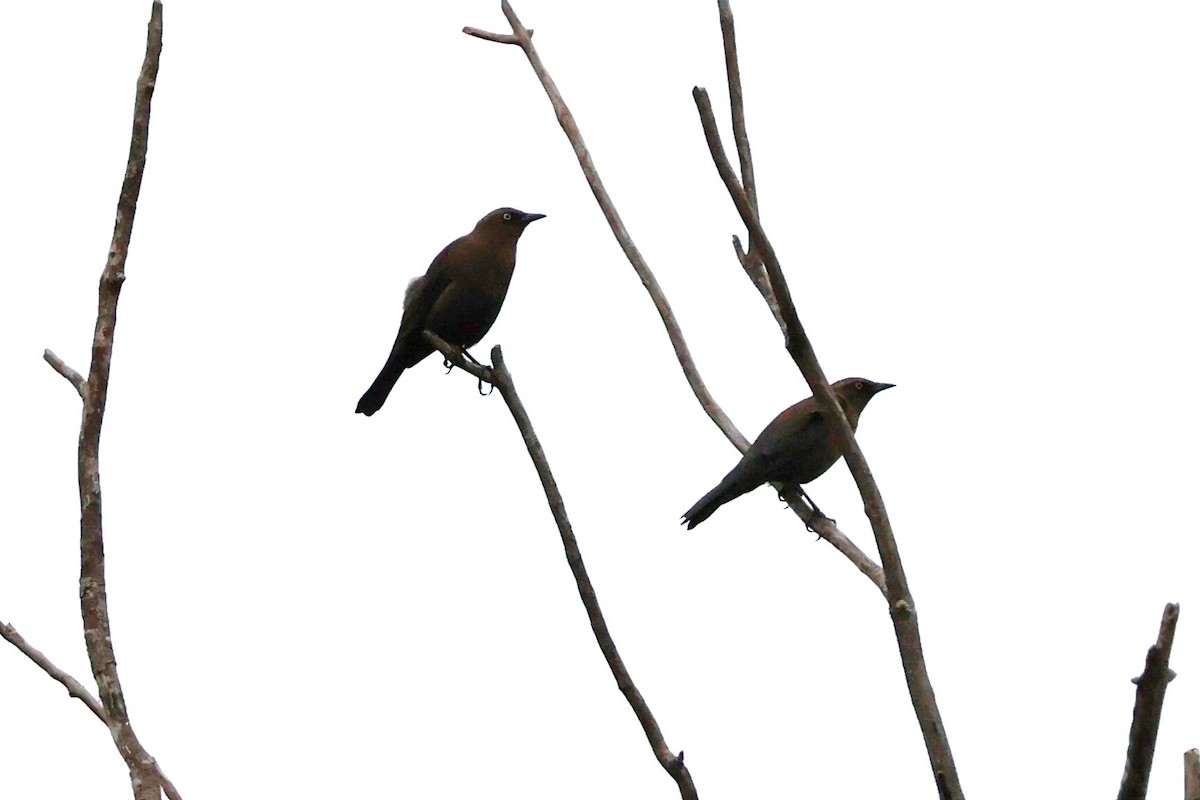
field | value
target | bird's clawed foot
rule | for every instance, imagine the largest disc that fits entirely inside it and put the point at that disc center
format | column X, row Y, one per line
column 816, row 515
column 491, row 388
column 449, row 365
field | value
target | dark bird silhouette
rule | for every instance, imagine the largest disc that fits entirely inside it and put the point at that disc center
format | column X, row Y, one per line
column 458, row 297
column 797, row 447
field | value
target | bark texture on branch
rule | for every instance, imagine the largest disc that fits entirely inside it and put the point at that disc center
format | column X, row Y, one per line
column 93, row 597
column 1147, row 709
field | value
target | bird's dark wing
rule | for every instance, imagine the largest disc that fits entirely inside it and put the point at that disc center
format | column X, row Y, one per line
column 786, row 442
column 410, row 346
column 419, row 299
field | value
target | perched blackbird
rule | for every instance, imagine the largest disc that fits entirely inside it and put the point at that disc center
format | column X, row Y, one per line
column 797, row 447
column 458, row 297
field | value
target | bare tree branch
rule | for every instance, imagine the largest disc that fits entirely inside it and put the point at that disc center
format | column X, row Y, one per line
column 1191, row 775
column 521, row 37
column 501, row 378
column 900, row 602
column 749, row 259
column 74, row 688
column 672, row 763
column 736, row 106
column 1147, row 709
column 92, row 592
column 61, row 368
column 802, row 509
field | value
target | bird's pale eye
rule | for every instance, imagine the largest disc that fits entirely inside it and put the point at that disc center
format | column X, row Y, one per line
column 858, row 385
column 507, row 217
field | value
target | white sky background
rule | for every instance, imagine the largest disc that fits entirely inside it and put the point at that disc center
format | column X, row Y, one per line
column 993, row 206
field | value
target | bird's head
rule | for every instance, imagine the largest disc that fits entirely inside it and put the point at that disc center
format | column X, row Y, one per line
column 855, row 393
column 505, row 223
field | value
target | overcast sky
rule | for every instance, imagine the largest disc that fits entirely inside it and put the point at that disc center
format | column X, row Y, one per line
column 993, row 206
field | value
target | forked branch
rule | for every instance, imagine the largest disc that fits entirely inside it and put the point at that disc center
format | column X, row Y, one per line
column 900, row 602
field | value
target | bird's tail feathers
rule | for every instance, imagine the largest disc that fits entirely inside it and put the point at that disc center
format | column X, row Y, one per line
column 725, row 491
column 373, row 399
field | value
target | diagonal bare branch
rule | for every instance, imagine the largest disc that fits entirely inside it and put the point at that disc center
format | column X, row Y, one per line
column 501, row 378
column 1147, row 709
column 800, row 507
column 75, row 689
column 670, row 762
column 521, row 35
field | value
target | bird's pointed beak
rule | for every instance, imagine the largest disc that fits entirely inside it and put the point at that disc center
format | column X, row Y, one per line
column 883, row 386
column 528, row 218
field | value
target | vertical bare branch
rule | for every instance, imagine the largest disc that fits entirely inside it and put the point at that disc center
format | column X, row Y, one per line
column 499, row 376
column 736, row 106
column 1191, row 775
column 1147, row 709
column 900, row 602
column 93, row 598
column 749, row 258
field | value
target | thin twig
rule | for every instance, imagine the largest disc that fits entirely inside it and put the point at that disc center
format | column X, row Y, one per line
column 900, row 602
column 74, row 688
column 749, row 259
column 1147, row 708
column 707, row 402
column 97, row 632
column 61, row 368
column 670, row 762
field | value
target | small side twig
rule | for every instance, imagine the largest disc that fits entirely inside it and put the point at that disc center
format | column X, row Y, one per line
column 63, row 369
column 74, row 688
column 1147, row 709
column 901, row 606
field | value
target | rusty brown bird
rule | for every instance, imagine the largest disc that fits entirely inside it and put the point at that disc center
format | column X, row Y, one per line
column 797, row 447
column 458, row 297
